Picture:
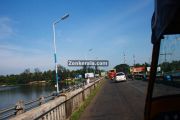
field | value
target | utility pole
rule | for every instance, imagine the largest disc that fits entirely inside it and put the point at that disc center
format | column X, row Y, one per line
column 134, row 60
column 124, row 58
column 165, row 55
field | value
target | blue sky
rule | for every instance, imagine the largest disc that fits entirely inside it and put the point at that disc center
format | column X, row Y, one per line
column 108, row 27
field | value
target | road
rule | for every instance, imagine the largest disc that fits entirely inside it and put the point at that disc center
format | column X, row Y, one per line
column 118, row 101
column 123, row 100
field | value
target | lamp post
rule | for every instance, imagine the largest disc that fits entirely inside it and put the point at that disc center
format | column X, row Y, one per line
column 54, row 39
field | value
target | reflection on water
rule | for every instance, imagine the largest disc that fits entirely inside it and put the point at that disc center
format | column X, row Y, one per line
column 10, row 95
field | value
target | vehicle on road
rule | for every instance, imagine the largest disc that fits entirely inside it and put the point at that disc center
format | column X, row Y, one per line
column 112, row 74
column 120, row 76
column 165, row 38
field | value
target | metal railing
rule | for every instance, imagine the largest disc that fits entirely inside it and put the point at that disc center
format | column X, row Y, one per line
column 22, row 106
column 62, row 106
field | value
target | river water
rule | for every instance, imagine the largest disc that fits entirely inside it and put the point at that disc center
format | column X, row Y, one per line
column 10, row 95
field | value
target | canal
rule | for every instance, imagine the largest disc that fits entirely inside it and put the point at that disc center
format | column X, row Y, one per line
column 11, row 94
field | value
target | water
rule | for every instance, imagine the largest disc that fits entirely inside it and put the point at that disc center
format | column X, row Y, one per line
column 10, row 95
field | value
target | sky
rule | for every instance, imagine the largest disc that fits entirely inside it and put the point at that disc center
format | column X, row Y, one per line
column 110, row 28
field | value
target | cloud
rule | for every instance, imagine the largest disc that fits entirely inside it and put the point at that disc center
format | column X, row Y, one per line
column 14, row 59
column 18, row 50
column 18, row 63
column 8, row 51
column 6, row 29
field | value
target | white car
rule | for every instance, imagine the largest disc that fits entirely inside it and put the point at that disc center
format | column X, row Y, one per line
column 120, row 76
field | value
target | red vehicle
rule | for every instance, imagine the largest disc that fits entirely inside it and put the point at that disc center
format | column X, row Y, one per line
column 112, row 74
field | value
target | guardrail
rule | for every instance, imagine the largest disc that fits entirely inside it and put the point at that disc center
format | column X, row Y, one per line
column 45, row 106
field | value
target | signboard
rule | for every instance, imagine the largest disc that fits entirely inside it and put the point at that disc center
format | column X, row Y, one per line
column 138, row 69
column 103, row 74
column 148, row 69
column 102, row 63
column 158, row 69
column 89, row 75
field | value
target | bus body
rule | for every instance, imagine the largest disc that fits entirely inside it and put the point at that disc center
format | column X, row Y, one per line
column 112, row 74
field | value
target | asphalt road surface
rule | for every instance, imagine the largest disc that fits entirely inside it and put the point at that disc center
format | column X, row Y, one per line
column 118, row 101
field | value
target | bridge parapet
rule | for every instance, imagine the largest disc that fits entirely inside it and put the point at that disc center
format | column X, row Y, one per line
column 61, row 107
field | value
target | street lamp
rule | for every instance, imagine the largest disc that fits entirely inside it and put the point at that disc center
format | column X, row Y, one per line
column 55, row 58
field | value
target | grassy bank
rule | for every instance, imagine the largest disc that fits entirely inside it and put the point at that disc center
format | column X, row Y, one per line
column 76, row 115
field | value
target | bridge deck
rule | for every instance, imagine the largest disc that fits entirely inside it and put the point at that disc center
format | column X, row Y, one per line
column 118, row 101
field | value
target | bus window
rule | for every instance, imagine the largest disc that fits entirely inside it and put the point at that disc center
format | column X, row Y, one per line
column 168, row 76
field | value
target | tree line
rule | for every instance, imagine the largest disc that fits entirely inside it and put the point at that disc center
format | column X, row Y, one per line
column 126, row 68
column 170, row 66
column 28, row 76
column 165, row 66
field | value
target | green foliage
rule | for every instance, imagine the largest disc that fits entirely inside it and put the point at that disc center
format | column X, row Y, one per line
column 170, row 66
column 122, row 68
column 28, row 76
column 140, row 65
column 126, row 68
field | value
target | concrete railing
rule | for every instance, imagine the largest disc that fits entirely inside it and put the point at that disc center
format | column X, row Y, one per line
column 22, row 106
column 61, row 107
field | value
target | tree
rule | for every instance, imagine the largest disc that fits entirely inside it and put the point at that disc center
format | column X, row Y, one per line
column 138, row 65
column 170, row 66
column 63, row 73
column 25, row 77
column 122, row 68
column 37, row 74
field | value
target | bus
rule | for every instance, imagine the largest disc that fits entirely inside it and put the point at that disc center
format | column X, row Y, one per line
column 112, row 74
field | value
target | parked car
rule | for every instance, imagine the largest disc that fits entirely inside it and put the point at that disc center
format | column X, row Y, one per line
column 120, row 76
